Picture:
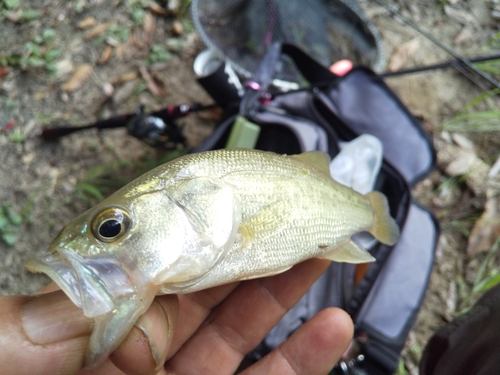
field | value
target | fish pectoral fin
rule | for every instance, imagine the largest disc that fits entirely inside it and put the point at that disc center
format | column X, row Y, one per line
column 349, row 252
column 110, row 329
column 267, row 222
column 212, row 207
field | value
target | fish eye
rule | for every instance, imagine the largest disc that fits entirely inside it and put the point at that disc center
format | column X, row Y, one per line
column 111, row 224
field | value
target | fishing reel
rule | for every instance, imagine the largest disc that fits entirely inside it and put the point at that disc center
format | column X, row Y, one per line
column 157, row 129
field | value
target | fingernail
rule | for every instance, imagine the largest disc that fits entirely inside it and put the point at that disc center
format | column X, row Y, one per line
column 51, row 318
column 155, row 325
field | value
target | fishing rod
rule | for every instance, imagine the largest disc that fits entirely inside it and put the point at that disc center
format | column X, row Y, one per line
column 440, row 44
column 158, row 128
column 444, row 65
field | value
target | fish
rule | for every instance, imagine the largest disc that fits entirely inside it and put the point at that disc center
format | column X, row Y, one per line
column 202, row 220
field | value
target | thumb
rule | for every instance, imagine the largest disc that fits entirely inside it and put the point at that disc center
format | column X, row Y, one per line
column 48, row 334
column 45, row 334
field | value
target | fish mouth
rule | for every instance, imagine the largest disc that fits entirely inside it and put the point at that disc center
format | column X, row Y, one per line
column 92, row 283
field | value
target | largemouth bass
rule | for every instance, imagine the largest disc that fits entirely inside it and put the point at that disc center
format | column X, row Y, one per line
column 204, row 220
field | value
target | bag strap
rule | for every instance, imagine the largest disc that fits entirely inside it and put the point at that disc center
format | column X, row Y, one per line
column 260, row 81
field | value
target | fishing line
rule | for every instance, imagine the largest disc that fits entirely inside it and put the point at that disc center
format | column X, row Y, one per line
column 440, row 44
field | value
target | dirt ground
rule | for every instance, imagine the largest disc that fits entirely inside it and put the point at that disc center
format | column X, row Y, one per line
column 108, row 44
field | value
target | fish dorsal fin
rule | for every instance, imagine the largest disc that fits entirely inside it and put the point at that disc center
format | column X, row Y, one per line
column 318, row 159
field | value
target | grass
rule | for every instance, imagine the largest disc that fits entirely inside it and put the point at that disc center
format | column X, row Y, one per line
column 485, row 280
column 486, row 121
column 106, row 179
column 100, row 182
column 10, row 223
column 473, row 119
column 11, row 7
column 39, row 53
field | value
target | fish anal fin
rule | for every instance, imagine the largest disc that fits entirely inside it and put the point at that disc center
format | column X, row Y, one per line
column 317, row 159
column 349, row 252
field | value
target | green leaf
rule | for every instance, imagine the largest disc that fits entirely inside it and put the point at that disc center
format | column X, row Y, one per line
column 90, row 189
column 51, row 67
column 13, row 216
column 34, row 49
column 10, row 238
column 138, row 16
column 38, row 39
column 159, row 54
column 10, row 104
column 11, row 4
column 48, row 35
column 29, row 15
column 4, row 222
column 17, row 137
column 35, row 61
column 52, row 54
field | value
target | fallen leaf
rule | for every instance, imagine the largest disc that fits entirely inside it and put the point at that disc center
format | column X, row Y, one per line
column 124, row 92
column 86, row 23
column 156, row 87
column 149, row 28
column 128, row 77
column 39, row 95
column 126, row 51
column 64, row 67
column 463, row 162
column 402, row 54
column 13, row 16
column 96, row 31
column 157, row 9
column 462, row 141
column 177, row 27
column 459, row 161
column 105, row 55
column 3, row 70
column 112, row 42
column 173, row 5
column 486, row 230
column 8, row 126
column 79, row 77
column 460, row 15
column 463, row 36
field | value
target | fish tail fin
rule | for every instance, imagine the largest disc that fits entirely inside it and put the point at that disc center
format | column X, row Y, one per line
column 384, row 227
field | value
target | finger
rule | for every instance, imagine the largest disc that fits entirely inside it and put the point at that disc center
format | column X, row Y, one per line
column 243, row 319
column 106, row 368
column 193, row 310
column 52, row 287
column 313, row 349
column 46, row 334
column 145, row 348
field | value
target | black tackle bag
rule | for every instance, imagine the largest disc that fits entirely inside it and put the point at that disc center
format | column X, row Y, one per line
column 383, row 300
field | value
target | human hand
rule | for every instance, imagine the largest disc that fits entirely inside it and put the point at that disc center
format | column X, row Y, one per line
column 207, row 332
